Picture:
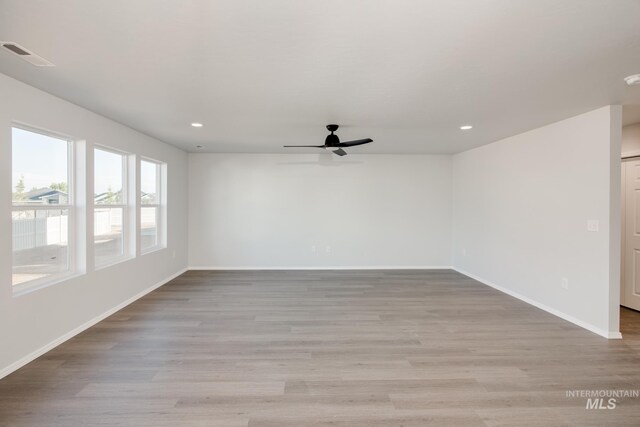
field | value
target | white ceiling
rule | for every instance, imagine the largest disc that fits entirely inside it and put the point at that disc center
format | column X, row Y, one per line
column 260, row 74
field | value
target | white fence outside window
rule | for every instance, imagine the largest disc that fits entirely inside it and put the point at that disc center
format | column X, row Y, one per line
column 32, row 232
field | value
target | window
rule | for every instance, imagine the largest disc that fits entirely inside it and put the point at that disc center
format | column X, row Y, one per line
column 151, row 218
column 42, row 207
column 110, row 206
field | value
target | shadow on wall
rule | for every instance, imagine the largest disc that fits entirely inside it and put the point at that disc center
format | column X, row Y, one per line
column 326, row 160
column 631, row 130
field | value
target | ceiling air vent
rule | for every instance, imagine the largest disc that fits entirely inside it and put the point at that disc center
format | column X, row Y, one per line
column 28, row 56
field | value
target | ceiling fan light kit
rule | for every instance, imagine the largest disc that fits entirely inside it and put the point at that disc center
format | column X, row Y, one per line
column 333, row 144
column 632, row 80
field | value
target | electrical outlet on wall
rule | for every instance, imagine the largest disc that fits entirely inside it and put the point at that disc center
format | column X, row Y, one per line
column 564, row 283
column 174, row 254
column 464, row 251
column 593, row 225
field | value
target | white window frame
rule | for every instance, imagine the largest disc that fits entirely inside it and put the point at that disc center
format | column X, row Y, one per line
column 73, row 269
column 127, row 252
column 159, row 205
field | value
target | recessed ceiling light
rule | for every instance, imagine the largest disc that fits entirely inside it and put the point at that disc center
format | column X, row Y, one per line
column 197, row 125
column 466, row 127
column 199, row 146
column 633, row 80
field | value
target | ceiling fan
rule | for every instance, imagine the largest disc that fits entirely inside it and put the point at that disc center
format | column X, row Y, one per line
column 332, row 142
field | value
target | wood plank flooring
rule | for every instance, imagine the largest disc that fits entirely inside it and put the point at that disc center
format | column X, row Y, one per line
column 327, row 348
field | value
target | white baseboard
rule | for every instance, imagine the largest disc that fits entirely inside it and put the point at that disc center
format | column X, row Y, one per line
column 331, row 267
column 578, row 322
column 42, row 350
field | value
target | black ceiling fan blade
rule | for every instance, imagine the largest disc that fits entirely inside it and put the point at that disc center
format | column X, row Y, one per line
column 356, row 142
column 303, row 146
column 340, row 152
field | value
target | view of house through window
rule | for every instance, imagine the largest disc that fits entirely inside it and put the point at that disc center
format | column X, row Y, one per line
column 110, row 206
column 150, row 204
column 40, row 206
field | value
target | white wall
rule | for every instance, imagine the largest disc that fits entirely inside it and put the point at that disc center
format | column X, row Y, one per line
column 521, row 207
column 269, row 210
column 34, row 320
column 631, row 140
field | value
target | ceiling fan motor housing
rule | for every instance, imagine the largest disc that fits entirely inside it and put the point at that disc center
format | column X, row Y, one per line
column 332, row 140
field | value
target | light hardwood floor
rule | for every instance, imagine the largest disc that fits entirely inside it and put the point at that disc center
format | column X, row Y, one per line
column 327, row 348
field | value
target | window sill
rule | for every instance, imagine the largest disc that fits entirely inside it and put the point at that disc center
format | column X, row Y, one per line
column 36, row 285
column 151, row 250
column 113, row 262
